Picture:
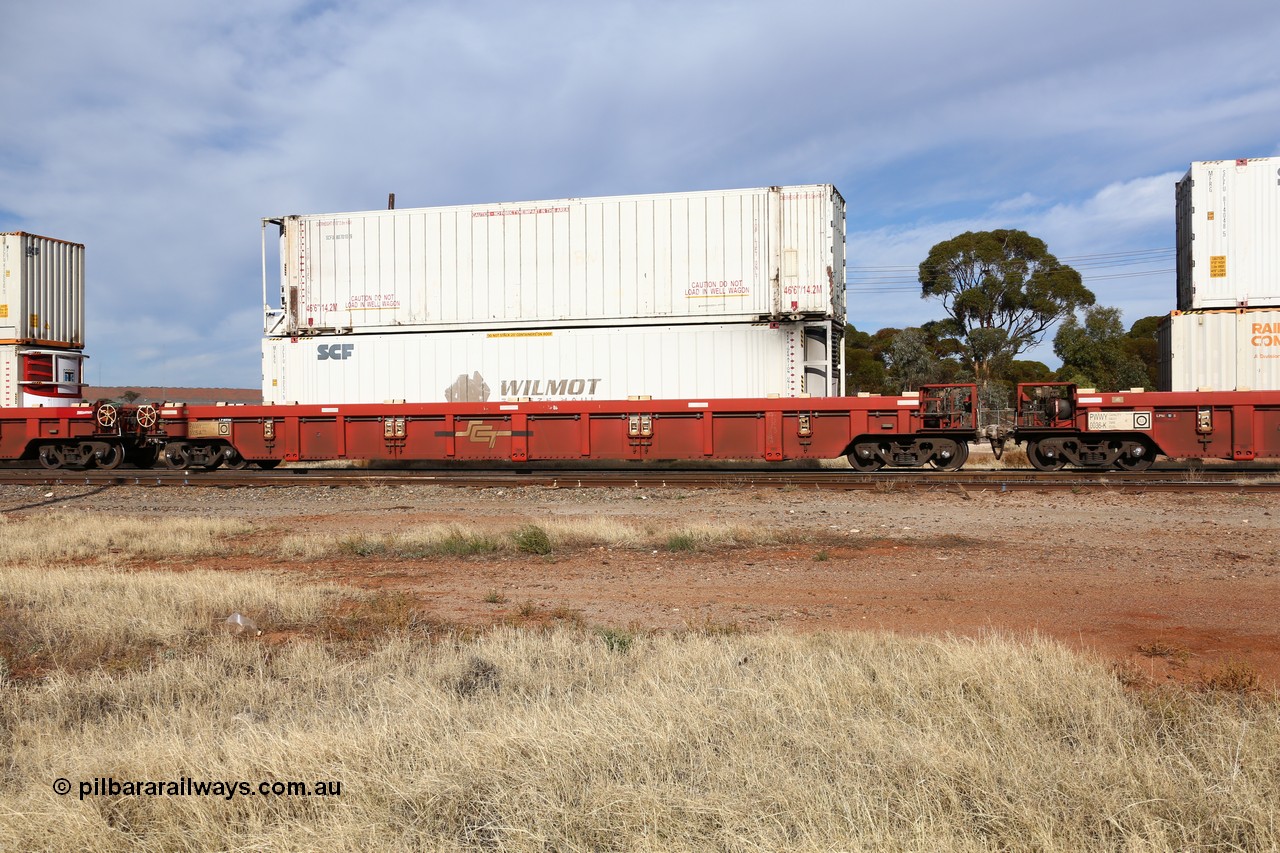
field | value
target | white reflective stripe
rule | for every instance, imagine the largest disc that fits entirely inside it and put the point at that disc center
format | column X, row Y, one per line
column 1088, row 399
column 508, row 408
column 168, row 411
column 698, row 405
column 908, row 402
column 328, row 408
column 84, row 411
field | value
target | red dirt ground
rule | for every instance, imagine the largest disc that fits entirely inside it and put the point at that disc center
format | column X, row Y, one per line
column 1168, row 586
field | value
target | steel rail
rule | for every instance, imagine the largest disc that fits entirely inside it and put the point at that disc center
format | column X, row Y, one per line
column 1165, row 480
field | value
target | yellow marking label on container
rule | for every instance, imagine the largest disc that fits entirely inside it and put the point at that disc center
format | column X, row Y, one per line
column 35, row 321
column 1217, row 266
column 1211, row 214
column 519, row 334
column 4, row 311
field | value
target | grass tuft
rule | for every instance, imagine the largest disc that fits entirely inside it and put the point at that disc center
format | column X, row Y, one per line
column 681, row 542
column 532, row 539
column 1173, row 652
column 478, row 674
column 1232, row 677
column 617, row 640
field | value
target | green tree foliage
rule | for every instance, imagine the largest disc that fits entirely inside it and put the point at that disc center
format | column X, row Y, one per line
column 1146, row 327
column 893, row 360
column 1141, row 343
column 999, row 392
column 921, row 356
column 1028, row 371
column 1003, row 290
column 910, row 361
column 1094, row 353
column 863, row 366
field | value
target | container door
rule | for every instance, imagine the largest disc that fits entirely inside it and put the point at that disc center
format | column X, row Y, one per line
column 291, row 262
column 1184, row 210
column 838, row 271
column 773, row 233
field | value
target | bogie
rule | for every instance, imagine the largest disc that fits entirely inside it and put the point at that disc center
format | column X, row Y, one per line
column 905, row 451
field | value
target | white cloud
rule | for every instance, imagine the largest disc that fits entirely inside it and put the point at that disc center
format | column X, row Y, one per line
column 159, row 133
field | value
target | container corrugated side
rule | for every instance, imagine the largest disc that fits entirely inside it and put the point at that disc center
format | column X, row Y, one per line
column 721, row 256
column 1230, row 350
column 670, row 362
column 41, row 291
column 1228, row 230
column 31, row 376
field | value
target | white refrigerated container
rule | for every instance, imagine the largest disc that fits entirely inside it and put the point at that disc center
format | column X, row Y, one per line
column 1224, row 350
column 773, row 253
column 41, row 291
column 1228, row 224
column 595, row 363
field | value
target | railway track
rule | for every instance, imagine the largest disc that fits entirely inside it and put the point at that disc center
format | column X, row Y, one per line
column 1157, row 479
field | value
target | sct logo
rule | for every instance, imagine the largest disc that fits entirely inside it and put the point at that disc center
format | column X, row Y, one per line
column 337, row 352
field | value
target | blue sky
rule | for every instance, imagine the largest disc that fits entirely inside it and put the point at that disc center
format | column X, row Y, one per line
column 159, row 134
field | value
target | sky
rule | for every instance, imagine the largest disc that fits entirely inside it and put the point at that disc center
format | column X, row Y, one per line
column 159, row 134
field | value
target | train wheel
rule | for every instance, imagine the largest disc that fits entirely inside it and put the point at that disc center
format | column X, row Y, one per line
column 267, row 464
column 236, row 462
column 111, row 458
column 177, row 455
column 1044, row 459
column 864, row 458
column 955, row 461
column 1129, row 462
column 51, row 456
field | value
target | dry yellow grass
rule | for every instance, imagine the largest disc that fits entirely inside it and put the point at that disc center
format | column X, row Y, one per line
column 1014, row 457
column 464, row 540
column 75, row 618
column 67, row 536
column 533, row 741
column 583, row 740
